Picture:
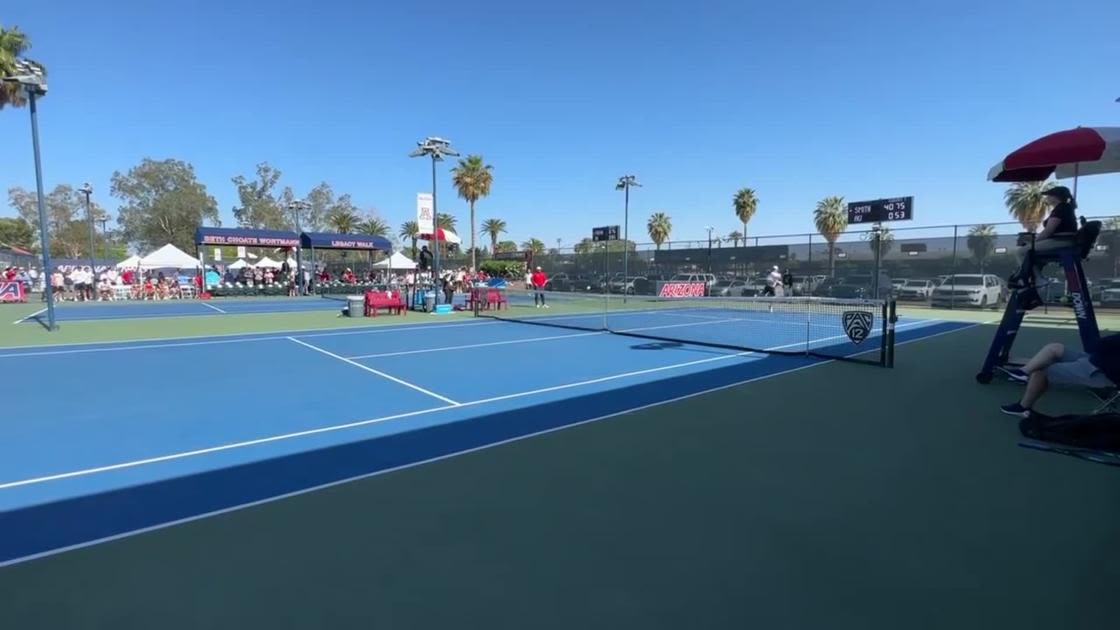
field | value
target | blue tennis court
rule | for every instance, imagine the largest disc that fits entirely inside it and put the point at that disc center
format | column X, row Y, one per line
column 112, row 438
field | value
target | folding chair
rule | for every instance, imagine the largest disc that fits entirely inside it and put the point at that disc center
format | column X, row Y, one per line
column 1108, row 399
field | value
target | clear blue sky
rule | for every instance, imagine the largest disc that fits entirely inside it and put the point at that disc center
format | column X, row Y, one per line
column 796, row 99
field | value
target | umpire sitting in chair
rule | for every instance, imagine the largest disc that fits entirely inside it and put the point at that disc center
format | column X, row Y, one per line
column 1058, row 364
column 1058, row 231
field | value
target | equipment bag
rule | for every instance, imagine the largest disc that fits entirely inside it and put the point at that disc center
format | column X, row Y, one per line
column 1099, row 432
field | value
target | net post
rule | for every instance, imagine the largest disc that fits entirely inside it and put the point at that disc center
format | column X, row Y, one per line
column 891, row 311
column 883, row 354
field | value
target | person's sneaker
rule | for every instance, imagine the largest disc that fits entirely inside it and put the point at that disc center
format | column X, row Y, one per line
column 1017, row 375
column 544, row 305
column 1015, row 409
column 537, row 305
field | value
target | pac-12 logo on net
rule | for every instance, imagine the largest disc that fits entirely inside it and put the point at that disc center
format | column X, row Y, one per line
column 857, row 325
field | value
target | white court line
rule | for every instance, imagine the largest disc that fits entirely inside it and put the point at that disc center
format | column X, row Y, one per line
column 409, row 414
column 23, row 319
column 476, row 345
column 377, row 372
column 376, row 473
column 148, row 344
column 208, row 305
column 529, row 340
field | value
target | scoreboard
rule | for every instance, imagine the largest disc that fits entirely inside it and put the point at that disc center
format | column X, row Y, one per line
column 605, row 233
column 880, row 210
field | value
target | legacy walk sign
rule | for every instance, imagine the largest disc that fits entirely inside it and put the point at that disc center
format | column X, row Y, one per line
column 425, row 216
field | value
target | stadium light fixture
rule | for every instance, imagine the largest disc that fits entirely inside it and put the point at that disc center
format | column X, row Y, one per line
column 625, row 183
column 435, row 148
column 87, row 191
column 297, row 206
column 31, row 78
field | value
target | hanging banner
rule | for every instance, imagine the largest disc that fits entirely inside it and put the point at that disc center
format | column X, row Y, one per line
column 218, row 254
column 240, row 251
column 425, row 218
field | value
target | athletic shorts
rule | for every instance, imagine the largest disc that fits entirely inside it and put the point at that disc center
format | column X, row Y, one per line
column 1074, row 369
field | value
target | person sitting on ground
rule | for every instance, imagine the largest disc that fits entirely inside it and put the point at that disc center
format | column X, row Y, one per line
column 1058, row 364
column 1058, row 231
column 105, row 289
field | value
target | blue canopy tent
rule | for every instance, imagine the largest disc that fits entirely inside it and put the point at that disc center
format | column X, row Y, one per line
column 328, row 240
column 247, row 237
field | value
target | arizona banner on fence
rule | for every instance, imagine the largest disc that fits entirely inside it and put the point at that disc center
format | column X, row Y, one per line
column 12, row 292
column 425, row 217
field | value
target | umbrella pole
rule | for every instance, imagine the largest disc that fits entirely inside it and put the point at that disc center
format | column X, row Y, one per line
column 1076, row 172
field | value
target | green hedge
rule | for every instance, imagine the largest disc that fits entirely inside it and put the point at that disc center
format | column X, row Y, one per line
column 504, row 268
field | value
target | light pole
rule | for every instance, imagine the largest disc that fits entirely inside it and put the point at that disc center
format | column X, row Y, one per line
column 296, row 207
column 87, row 190
column 710, row 230
column 435, row 148
column 104, row 219
column 30, row 77
column 625, row 183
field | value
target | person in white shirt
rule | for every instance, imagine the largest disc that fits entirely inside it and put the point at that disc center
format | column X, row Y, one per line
column 773, row 283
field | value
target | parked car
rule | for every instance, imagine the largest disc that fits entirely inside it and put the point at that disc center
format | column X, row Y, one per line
column 727, row 288
column 861, row 286
column 971, row 289
column 637, row 285
column 1109, row 293
column 707, row 278
column 898, row 283
column 916, row 290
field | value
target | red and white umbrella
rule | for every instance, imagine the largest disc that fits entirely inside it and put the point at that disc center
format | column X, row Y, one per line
column 443, row 235
column 1069, row 153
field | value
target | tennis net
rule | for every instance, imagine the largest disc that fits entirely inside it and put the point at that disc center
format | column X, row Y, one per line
column 851, row 330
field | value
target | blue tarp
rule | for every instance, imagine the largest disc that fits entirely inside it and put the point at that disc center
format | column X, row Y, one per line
column 247, row 237
column 324, row 240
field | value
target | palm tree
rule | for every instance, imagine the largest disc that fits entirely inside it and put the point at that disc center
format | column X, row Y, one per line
column 13, row 43
column 745, row 203
column 981, row 241
column 534, row 245
column 885, row 241
column 411, row 232
column 735, row 237
column 495, row 228
column 1024, row 202
column 659, row 226
column 472, row 178
column 585, row 246
column 343, row 221
column 831, row 218
column 373, row 226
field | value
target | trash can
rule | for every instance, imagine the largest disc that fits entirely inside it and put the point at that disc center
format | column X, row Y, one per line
column 429, row 301
column 356, row 306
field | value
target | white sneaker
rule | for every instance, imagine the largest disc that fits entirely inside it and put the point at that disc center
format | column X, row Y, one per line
column 545, row 305
column 537, row 305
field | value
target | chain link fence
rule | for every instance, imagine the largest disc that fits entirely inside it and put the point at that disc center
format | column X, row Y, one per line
column 913, row 262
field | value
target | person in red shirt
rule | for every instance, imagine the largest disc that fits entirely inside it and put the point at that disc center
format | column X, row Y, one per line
column 539, row 280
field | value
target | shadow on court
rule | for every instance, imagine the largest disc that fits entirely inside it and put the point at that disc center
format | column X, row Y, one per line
column 838, row 496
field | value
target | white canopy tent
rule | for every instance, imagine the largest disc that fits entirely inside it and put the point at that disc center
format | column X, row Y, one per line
column 240, row 264
column 267, row 262
column 169, row 257
column 129, row 263
column 396, row 261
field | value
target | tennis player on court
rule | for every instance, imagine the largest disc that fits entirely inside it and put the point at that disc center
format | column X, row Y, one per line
column 539, row 280
column 773, row 283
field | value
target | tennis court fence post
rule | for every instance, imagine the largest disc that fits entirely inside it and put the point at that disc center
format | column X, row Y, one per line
column 892, row 319
column 883, row 311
